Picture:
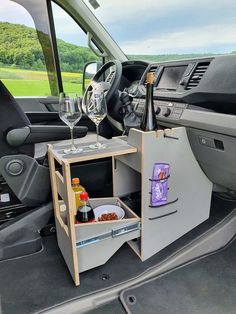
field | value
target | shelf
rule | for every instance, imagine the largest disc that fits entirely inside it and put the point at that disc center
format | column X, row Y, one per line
column 114, row 147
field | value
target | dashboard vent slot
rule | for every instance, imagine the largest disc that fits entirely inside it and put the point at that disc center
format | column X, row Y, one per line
column 197, row 75
column 110, row 77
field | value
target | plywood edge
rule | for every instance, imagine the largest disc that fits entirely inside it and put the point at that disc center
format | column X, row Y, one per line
column 121, row 137
column 61, row 186
column 135, row 247
column 51, row 152
column 101, row 155
column 118, row 222
column 113, row 175
column 64, row 244
column 70, row 220
column 62, row 225
column 142, row 199
column 140, row 131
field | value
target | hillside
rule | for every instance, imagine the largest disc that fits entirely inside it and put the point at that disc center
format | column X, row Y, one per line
column 19, row 46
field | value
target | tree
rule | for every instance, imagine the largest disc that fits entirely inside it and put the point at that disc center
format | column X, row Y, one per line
column 19, row 45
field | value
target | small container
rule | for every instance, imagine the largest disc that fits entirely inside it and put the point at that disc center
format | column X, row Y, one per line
column 85, row 212
column 160, row 177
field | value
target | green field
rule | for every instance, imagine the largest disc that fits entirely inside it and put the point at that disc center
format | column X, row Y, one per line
column 35, row 83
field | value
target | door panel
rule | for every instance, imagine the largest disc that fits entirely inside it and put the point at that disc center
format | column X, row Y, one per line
column 33, row 104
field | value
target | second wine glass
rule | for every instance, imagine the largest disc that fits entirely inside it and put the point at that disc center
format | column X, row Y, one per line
column 96, row 110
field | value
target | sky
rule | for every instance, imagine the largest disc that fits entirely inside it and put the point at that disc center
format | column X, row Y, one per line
column 14, row 13
column 151, row 26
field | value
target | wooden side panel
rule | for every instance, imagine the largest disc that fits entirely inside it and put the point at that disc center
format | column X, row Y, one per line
column 64, row 243
column 133, row 160
column 70, row 204
column 53, row 183
column 187, row 182
column 61, row 186
column 125, row 179
column 65, row 233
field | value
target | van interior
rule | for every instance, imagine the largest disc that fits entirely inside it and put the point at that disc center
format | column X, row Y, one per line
column 177, row 257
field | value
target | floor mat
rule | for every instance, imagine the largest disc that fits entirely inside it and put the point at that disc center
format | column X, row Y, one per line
column 114, row 307
column 34, row 283
column 205, row 286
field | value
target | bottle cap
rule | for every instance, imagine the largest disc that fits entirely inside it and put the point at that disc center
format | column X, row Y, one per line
column 150, row 77
column 75, row 181
column 83, row 196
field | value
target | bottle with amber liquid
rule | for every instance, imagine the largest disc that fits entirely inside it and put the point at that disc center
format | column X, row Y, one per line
column 149, row 122
column 77, row 188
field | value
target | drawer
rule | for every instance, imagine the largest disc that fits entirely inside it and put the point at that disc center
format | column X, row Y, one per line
column 96, row 242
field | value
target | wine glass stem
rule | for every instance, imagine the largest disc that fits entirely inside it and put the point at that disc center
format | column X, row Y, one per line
column 72, row 138
column 97, row 129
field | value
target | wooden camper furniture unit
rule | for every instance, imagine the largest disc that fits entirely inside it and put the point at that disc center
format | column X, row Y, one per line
column 85, row 246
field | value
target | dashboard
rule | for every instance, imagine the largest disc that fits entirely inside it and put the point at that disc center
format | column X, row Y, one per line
column 199, row 94
column 205, row 86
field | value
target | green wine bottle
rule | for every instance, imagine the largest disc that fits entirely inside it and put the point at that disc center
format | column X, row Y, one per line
column 149, row 121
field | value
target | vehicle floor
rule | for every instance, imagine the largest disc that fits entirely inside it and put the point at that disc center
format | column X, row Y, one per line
column 114, row 307
column 41, row 280
column 206, row 285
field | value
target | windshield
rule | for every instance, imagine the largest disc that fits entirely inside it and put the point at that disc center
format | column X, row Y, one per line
column 170, row 30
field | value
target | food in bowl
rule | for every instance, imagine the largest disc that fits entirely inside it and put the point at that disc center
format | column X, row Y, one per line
column 110, row 216
column 108, row 212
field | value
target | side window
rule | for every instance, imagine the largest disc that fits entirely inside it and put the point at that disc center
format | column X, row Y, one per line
column 72, row 49
column 22, row 63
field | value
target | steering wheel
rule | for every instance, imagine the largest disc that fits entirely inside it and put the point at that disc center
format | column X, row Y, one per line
column 109, row 87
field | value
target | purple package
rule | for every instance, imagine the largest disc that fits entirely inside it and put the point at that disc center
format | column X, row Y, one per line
column 160, row 176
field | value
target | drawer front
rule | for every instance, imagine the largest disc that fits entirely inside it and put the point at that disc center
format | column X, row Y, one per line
column 99, row 249
column 96, row 242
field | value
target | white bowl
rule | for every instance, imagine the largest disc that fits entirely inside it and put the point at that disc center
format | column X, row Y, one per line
column 107, row 209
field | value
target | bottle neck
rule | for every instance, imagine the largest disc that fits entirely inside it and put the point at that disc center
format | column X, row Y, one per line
column 84, row 202
column 149, row 93
column 149, row 122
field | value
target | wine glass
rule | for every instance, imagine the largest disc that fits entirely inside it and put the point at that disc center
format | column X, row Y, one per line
column 96, row 110
column 70, row 113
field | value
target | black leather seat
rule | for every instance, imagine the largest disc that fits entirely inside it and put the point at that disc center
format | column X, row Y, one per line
column 18, row 165
column 26, row 176
column 11, row 117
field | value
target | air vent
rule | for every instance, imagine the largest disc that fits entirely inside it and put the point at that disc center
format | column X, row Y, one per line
column 153, row 69
column 110, row 77
column 197, row 75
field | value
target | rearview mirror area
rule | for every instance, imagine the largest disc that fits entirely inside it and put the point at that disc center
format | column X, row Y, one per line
column 90, row 69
